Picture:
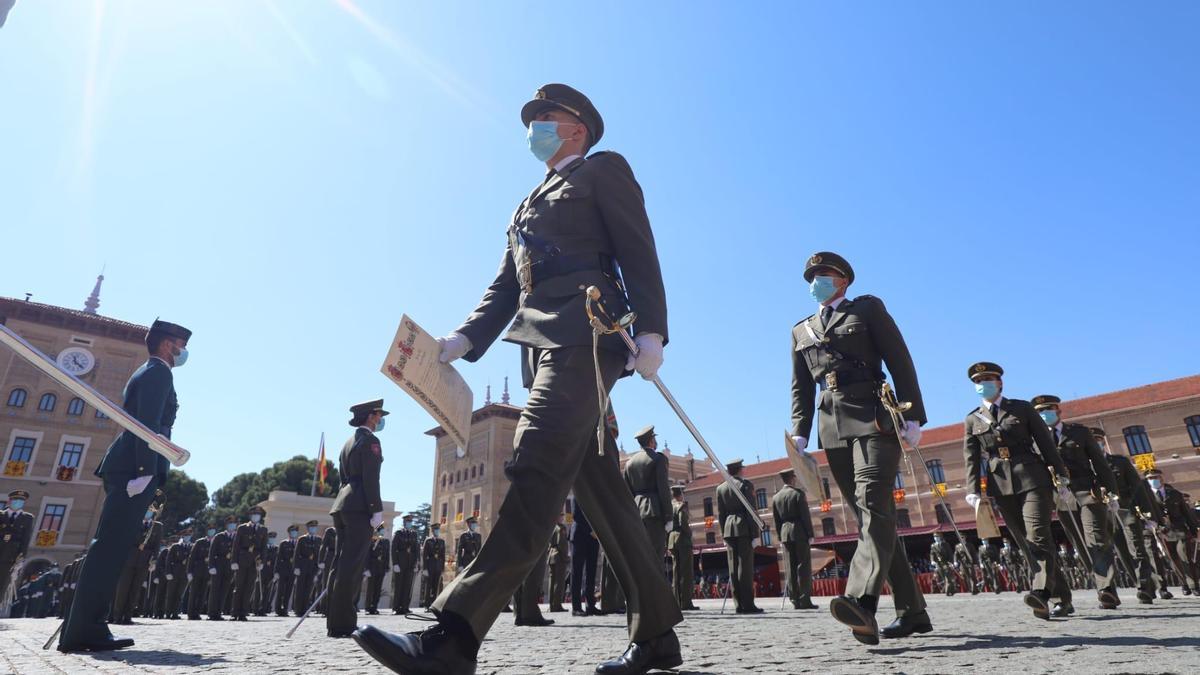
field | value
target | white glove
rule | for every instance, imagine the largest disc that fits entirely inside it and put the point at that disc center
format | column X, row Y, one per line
column 396, row 569
column 454, row 346
column 212, row 570
column 1151, row 526
column 170, row 577
column 973, row 501
column 276, row 576
column 233, row 566
column 800, row 441
column 321, row 566
column 670, row 526
column 296, row 572
column 258, row 567
column 650, row 355
column 424, row 574
column 754, row 543
column 810, row 541
column 911, row 433
column 376, row 520
column 136, row 486
column 1115, row 507
column 156, row 581
column 1065, row 494
column 189, row 576
column 366, row 573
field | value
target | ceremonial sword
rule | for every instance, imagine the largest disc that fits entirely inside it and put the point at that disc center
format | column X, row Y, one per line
column 310, row 609
column 1067, row 515
column 621, row 328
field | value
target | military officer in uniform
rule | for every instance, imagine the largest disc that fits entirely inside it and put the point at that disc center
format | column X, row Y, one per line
column 987, row 565
column 584, row 225
column 406, row 551
column 176, row 574
column 741, row 535
column 1129, row 540
column 1090, row 479
column 647, row 477
column 266, row 576
column 220, row 568
column 942, row 556
column 679, row 543
column 1000, row 435
column 197, row 572
column 130, row 471
column 1179, row 525
column 377, row 568
column 793, row 522
column 1014, row 565
column 326, row 569
column 469, row 543
column 433, row 563
column 843, row 349
column 16, row 531
column 158, row 603
column 585, row 552
column 558, row 561
column 132, row 583
column 964, row 562
column 304, row 567
column 249, row 544
column 283, row 570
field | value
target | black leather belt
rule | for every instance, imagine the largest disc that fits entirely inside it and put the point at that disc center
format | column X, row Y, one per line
column 558, row 265
column 836, row 379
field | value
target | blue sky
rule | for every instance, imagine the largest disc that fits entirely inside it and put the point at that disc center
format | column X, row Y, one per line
column 1019, row 183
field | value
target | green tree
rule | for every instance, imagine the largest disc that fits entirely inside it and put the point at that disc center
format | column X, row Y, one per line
column 247, row 489
column 185, row 498
column 421, row 517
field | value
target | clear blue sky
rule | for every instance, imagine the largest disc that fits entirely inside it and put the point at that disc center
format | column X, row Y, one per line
column 1020, row 184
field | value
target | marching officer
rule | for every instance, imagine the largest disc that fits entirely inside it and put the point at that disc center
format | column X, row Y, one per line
column 1000, row 435
column 585, row 551
column 433, row 563
column 1014, row 564
column 69, row 576
column 965, row 563
column 942, row 557
column 740, row 533
column 526, row 611
column 158, row 593
column 406, row 551
column 646, row 474
column 131, row 471
column 377, row 569
column 176, row 573
column 326, row 569
column 843, row 348
column 793, row 521
column 582, row 224
column 1130, row 540
column 220, row 568
column 249, row 544
column 132, row 582
column 266, row 576
column 1090, row 478
column 679, row 543
column 16, row 531
column 304, row 567
column 283, row 570
column 198, row 576
column 987, row 563
column 469, row 543
column 1179, row 523
column 357, row 512
column 558, row 562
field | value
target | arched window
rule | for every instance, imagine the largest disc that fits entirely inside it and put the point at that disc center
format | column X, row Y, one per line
column 936, row 470
column 75, row 407
column 443, row 480
column 473, row 469
column 100, row 415
column 16, row 398
column 47, row 403
column 760, row 496
column 1136, row 440
column 710, row 537
column 943, row 514
column 481, row 470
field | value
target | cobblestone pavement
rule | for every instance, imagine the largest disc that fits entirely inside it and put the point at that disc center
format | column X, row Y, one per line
column 985, row 633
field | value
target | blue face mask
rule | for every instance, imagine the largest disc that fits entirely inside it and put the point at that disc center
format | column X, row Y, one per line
column 270, row 541
column 211, row 532
column 544, row 140
column 1155, row 484
column 149, row 515
column 254, row 518
column 1049, row 417
column 181, row 357
column 292, row 534
column 230, row 527
column 822, row 288
column 187, row 539
column 312, row 530
column 987, row 390
column 16, row 504
column 379, row 426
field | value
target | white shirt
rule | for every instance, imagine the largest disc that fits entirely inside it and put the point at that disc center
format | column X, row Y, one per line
column 834, row 304
column 987, row 405
column 565, row 161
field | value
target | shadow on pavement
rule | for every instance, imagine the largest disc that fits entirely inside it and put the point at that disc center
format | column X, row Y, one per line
column 975, row 642
column 160, row 657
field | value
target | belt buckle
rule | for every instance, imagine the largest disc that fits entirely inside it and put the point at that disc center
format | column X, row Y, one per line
column 831, row 381
column 1003, row 452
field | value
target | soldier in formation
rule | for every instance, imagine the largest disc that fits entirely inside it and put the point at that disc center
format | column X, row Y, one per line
column 406, row 557
column 679, row 544
column 378, row 561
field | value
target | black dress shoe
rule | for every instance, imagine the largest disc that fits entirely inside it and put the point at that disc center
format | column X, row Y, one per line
column 434, row 651
column 1062, row 610
column 592, row 610
column 102, row 645
column 1187, row 591
column 339, row 633
column 861, row 620
column 804, row 605
column 537, row 623
column 557, row 609
column 906, row 625
column 1145, row 597
column 1041, row 608
column 1109, row 599
column 578, row 612
column 752, row 610
column 660, row 653
column 1165, row 594
column 691, row 608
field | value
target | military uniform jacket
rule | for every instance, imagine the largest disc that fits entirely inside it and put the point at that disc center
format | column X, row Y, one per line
column 681, row 527
column 283, row 556
column 1012, row 433
column 1131, row 486
column 162, row 564
column 220, row 552
column 380, row 558
column 1085, row 462
column 962, row 555
column 148, row 543
column 268, row 559
column 177, row 559
column 197, row 560
column 16, row 531
column 845, row 358
column 793, row 520
column 328, row 552
column 433, row 555
column 306, row 553
column 559, row 546
column 469, row 544
column 646, row 476
column 1175, row 510
column 736, row 521
column 986, row 554
column 405, row 548
column 940, row 554
column 149, row 397
column 358, row 468
column 249, row 543
column 571, row 233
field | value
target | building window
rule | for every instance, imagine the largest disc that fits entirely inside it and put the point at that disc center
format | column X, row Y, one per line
column 936, row 470
column 52, row 518
column 445, row 506
column 825, row 488
column 71, row 454
column 22, row 449
column 943, row 514
column 475, row 506
column 902, row 519
column 828, row 529
column 16, row 398
column 472, row 473
column 899, row 480
column 458, row 512
column 47, row 403
column 760, row 496
column 708, row 509
column 101, row 416
column 75, row 407
column 766, row 537
column 710, row 537
column 1193, row 427
column 1136, row 440
column 481, row 471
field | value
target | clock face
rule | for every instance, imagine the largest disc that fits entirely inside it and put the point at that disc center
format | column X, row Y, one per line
column 76, row 361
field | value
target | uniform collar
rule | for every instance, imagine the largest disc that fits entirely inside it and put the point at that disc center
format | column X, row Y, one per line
column 835, row 303
column 565, row 162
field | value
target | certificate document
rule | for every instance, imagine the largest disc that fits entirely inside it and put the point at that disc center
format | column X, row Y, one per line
column 805, row 466
column 412, row 363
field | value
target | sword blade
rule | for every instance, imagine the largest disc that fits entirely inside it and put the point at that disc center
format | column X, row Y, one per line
column 310, row 609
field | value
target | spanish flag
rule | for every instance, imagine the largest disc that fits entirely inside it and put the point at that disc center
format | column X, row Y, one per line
column 322, row 471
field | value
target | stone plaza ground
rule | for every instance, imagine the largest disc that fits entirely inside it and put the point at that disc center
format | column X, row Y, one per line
column 984, row 633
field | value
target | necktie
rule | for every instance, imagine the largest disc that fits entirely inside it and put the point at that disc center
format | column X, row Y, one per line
column 994, row 410
column 826, row 312
column 1056, row 439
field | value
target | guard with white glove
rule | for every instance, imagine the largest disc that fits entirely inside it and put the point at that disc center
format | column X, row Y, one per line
column 911, row 433
column 454, row 347
column 138, row 485
column 801, row 443
column 212, row 570
column 233, row 566
column 396, row 568
column 649, row 357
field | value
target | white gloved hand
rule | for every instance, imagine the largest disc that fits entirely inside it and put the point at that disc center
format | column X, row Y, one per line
column 212, row 570
column 233, row 566
column 1151, row 526
column 973, row 501
column 424, row 574
column 1065, row 494
column 754, row 543
column 1114, row 506
column 911, row 433
column 258, row 567
column 810, row 541
column 136, row 486
column 650, row 355
column 454, row 346
column 189, row 576
column 276, row 576
column 670, row 526
column 156, row 581
column 170, row 577
column 321, row 566
column 396, row 568
column 296, row 572
column 376, row 520
column 800, row 441
column 366, row 573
